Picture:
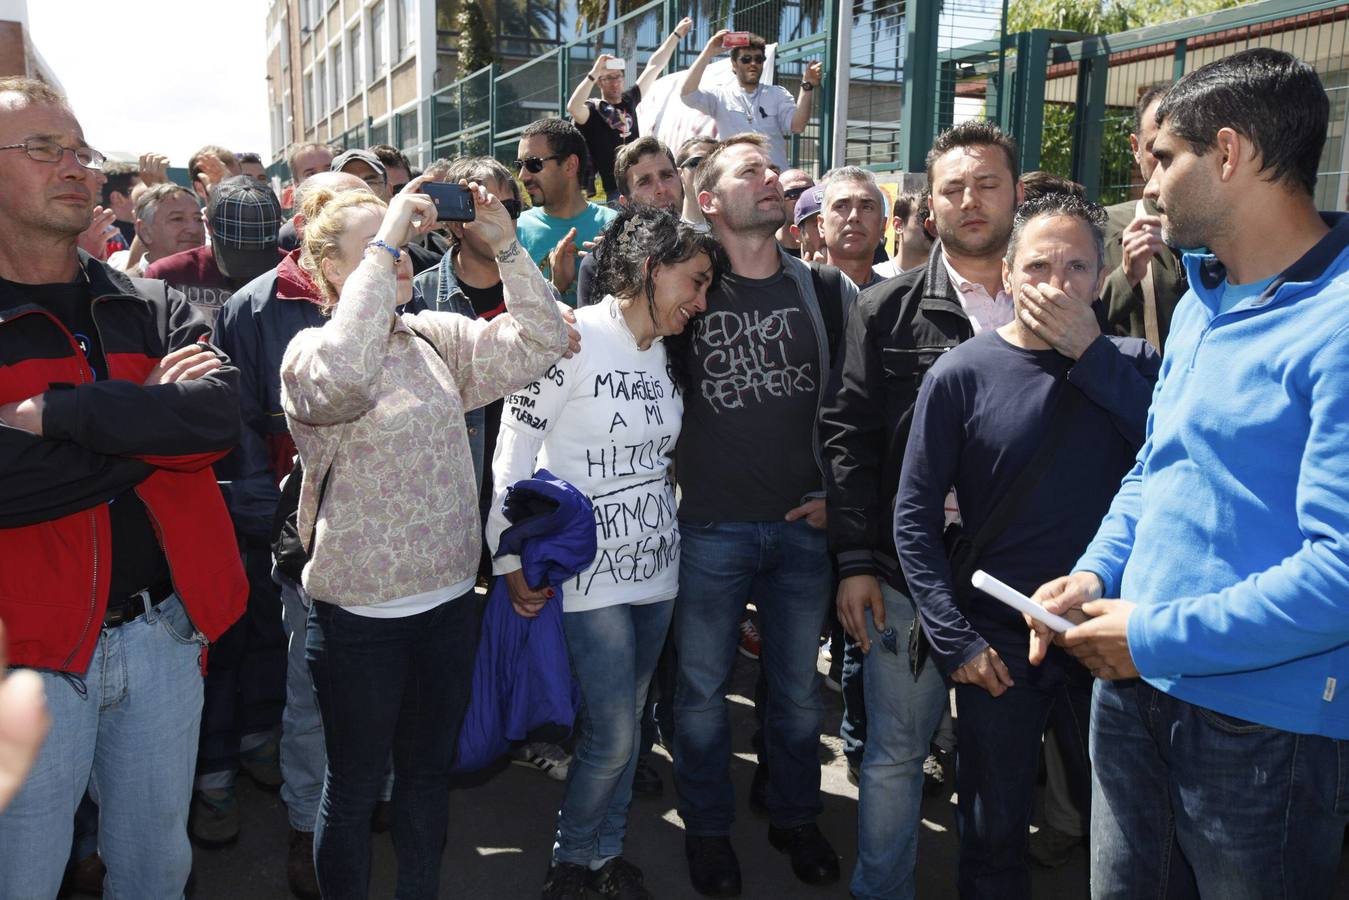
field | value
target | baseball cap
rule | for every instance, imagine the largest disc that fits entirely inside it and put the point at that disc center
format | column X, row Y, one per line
column 245, row 218
column 358, row 155
column 810, row 203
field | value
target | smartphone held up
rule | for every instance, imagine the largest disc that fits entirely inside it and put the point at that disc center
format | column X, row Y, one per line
column 454, row 202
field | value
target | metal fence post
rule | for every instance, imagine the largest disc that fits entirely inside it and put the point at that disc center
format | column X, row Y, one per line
column 833, row 89
column 918, row 115
column 1178, row 68
column 1028, row 95
column 1089, row 121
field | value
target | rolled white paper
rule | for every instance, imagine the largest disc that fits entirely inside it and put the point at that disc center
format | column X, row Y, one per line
column 1017, row 600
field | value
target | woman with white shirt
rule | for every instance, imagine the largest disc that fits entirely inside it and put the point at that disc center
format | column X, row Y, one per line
column 388, row 510
column 607, row 421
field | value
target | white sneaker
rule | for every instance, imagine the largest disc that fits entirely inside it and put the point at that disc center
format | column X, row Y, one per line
column 550, row 759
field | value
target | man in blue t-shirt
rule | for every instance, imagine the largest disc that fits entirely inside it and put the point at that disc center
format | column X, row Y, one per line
column 1217, row 725
column 553, row 164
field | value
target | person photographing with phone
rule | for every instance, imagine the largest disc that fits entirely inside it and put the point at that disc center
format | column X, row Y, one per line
column 749, row 104
column 610, row 121
column 1033, row 424
column 369, row 398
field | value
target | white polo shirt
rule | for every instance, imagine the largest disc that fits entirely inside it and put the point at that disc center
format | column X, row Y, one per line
column 767, row 109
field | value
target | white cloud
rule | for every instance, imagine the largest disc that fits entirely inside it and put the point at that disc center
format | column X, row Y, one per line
column 161, row 75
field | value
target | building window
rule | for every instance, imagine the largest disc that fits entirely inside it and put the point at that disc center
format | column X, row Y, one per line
column 308, row 100
column 339, row 74
column 379, row 40
column 320, row 89
column 357, row 54
column 406, row 37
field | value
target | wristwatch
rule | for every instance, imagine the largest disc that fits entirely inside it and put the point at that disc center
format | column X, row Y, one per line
column 807, row 86
column 591, row 77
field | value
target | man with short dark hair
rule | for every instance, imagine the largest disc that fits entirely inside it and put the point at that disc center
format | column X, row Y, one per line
column 551, row 163
column 913, row 243
column 795, row 182
column 397, row 169
column 758, row 361
column 117, row 564
column 1218, row 726
column 1146, row 278
column 366, row 166
column 691, row 154
column 748, row 104
column 645, row 173
column 209, row 166
column 243, row 218
column 610, row 121
column 250, row 164
column 894, row 334
column 116, row 196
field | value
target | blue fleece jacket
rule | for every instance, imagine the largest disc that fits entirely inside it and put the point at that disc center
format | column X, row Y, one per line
column 1231, row 532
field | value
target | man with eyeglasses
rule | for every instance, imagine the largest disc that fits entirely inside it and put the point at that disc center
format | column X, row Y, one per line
column 610, row 121
column 553, row 164
column 118, row 561
column 690, row 156
column 748, row 104
column 794, row 183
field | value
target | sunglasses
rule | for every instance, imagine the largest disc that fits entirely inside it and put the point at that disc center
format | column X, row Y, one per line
column 533, row 163
column 793, row 193
column 513, row 207
column 691, row 163
column 751, row 58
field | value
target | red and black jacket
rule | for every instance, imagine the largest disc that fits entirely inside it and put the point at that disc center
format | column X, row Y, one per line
column 101, row 438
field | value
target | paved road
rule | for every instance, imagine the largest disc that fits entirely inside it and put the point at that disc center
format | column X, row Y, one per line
column 501, row 835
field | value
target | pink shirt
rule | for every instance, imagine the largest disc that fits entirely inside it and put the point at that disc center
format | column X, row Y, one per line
column 986, row 313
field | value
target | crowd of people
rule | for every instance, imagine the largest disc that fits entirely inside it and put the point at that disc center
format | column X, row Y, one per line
column 266, row 476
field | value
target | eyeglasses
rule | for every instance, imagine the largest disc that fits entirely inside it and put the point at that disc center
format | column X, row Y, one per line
column 617, row 76
column 533, row 163
column 691, row 163
column 513, row 208
column 40, row 150
column 751, row 58
column 793, row 193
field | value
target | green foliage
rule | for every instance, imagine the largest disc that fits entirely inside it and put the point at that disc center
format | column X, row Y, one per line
column 1104, row 16
column 476, row 41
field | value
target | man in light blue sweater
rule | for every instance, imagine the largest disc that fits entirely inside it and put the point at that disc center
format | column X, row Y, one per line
column 1218, row 725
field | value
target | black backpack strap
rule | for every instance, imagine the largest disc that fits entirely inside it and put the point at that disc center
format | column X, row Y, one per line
column 829, row 295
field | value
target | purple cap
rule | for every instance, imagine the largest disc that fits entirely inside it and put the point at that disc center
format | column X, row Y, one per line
column 809, row 204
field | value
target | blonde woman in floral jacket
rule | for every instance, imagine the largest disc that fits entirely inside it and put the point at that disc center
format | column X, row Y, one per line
column 389, row 510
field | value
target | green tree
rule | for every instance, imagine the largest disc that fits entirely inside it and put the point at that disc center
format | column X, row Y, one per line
column 476, row 41
column 1104, row 16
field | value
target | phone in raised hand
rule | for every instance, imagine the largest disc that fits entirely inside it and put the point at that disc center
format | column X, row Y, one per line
column 454, row 202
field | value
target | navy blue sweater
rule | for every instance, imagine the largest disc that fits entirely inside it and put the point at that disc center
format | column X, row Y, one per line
column 981, row 414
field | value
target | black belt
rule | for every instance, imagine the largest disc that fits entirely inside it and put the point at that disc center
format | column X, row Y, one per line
column 126, row 607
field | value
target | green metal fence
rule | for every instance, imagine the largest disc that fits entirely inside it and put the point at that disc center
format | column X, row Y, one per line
column 1069, row 98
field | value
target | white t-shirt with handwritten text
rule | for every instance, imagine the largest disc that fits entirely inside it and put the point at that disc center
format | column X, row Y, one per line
column 605, row 421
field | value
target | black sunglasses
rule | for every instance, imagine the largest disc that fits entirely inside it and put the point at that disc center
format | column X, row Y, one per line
column 691, row 163
column 793, row 193
column 513, row 208
column 533, row 163
column 751, row 58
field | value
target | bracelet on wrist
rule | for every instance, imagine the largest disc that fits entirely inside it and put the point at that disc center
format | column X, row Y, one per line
column 807, row 86
column 393, row 251
column 591, row 76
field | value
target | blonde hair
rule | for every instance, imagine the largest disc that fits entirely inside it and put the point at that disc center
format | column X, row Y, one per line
column 325, row 220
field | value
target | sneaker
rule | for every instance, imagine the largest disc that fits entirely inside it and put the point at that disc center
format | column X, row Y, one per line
column 566, row 881
column 813, row 858
column 1052, row 848
column 937, row 772
column 263, row 765
column 619, row 879
column 550, row 759
column 213, row 820
column 750, row 642
column 646, row 780
column 300, row 875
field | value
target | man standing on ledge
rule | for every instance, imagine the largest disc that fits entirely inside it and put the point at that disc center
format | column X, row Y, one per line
column 749, row 105
column 1218, row 725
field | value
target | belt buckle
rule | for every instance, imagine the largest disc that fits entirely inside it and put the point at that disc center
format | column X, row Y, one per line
column 129, row 611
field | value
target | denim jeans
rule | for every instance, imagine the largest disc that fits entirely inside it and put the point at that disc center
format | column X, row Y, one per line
column 852, row 730
column 785, row 567
column 303, row 758
column 1255, row 812
column 902, row 715
column 127, row 731
column 388, row 684
column 996, row 768
column 613, row 652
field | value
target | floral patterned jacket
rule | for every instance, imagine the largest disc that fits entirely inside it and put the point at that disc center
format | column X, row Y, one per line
column 377, row 402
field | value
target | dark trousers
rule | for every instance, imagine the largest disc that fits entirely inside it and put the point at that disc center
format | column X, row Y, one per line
column 388, row 685
column 996, row 768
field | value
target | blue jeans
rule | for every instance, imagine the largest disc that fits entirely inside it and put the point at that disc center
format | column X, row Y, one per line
column 303, row 758
column 613, row 652
column 128, row 732
column 996, row 766
column 902, row 715
column 1255, row 812
column 785, row 566
column 384, row 685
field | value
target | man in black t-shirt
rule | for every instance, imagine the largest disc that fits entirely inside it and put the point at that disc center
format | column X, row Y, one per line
column 751, row 520
column 610, row 121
